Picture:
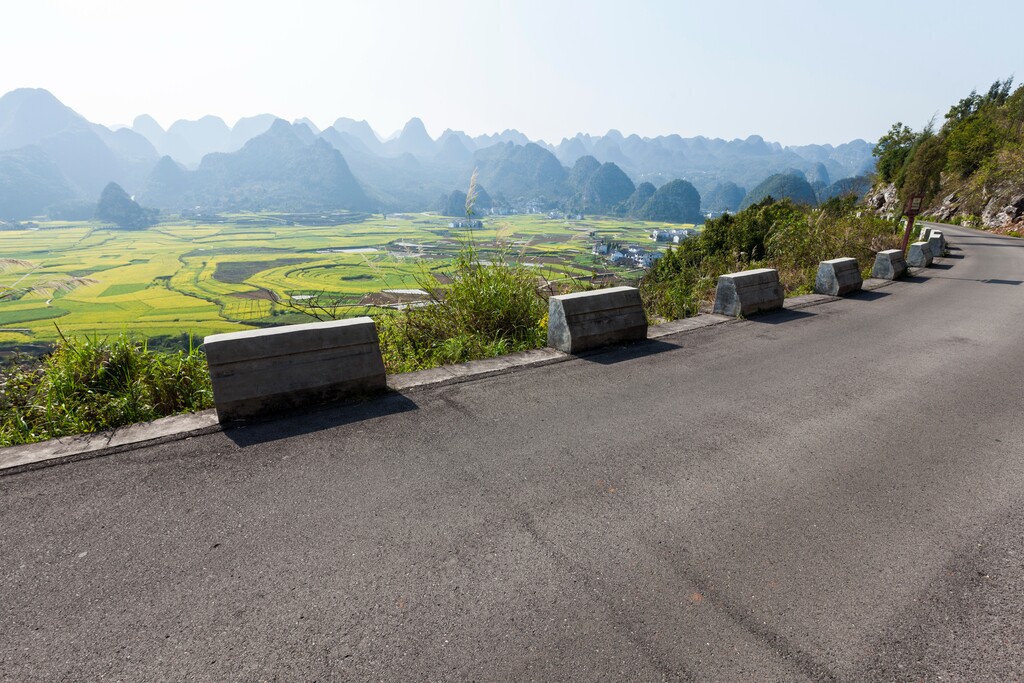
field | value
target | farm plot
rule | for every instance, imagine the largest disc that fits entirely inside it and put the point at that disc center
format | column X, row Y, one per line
column 187, row 277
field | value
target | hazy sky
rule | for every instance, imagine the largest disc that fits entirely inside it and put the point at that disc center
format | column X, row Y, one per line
column 793, row 72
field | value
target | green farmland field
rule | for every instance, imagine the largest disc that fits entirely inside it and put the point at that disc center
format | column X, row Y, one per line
column 201, row 278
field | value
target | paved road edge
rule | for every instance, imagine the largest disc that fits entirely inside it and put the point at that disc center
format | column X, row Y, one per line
column 17, row 459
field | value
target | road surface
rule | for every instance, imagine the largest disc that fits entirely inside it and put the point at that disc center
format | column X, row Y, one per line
column 830, row 494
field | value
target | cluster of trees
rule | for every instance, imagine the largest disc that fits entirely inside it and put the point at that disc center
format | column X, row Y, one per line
column 115, row 206
column 980, row 140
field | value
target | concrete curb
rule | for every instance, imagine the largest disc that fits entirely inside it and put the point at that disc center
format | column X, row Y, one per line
column 177, row 427
column 66, row 449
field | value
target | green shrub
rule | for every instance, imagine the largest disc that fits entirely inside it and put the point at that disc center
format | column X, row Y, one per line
column 485, row 310
column 88, row 385
column 797, row 246
column 679, row 284
column 783, row 235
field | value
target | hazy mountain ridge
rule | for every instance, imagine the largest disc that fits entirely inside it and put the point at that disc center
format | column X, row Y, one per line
column 286, row 168
column 87, row 155
column 205, row 162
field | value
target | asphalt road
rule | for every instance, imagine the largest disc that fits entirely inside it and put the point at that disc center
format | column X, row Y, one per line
column 831, row 494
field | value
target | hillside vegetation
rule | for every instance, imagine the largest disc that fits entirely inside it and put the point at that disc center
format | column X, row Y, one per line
column 789, row 236
column 89, row 384
column 970, row 169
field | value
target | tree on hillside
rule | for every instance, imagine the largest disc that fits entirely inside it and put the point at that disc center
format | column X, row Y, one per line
column 643, row 193
column 115, row 206
column 726, row 196
column 857, row 186
column 782, row 186
column 582, row 170
column 674, row 202
column 923, row 172
column 892, row 151
column 978, row 144
column 607, row 188
column 454, row 204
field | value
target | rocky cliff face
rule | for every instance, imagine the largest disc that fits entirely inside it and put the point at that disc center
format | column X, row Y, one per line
column 1000, row 209
column 1005, row 213
column 884, row 200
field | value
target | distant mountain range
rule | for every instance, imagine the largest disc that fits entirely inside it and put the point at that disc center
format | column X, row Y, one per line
column 53, row 161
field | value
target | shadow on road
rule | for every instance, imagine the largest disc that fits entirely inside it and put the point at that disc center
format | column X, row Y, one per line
column 952, row 256
column 318, row 418
column 867, row 295
column 990, row 281
column 784, row 316
column 941, row 266
column 633, row 351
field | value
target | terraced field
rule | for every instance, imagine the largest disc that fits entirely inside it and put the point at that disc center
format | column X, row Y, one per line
column 201, row 278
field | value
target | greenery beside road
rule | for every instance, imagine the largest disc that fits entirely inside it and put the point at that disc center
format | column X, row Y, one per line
column 484, row 310
column 969, row 166
column 791, row 237
column 88, row 385
column 478, row 308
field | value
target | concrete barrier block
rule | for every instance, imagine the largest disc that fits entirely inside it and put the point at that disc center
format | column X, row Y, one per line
column 919, row 255
column 838, row 277
column 925, row 232
column 889, row 265
column 257, row 372
column 937, row 243
column 749, row 292
column 587, row 320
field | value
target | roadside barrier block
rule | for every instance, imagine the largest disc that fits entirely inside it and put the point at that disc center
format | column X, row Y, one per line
column 937, row 243
column 257, row 372
column 925, row 233
column 749, row 292
column 919, row 255
column 889, row 265
column 587, row 320
column 838, row 277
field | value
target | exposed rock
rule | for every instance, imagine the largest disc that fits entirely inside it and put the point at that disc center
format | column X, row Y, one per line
column 1000, row 211
column 950, row 207
column 884, row 200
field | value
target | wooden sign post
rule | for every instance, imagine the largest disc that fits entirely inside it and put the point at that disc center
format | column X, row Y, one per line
column 913, row 208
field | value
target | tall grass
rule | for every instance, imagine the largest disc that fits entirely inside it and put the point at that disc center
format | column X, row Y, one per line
column 485, row 310
column 89, row 384
column 770, row 234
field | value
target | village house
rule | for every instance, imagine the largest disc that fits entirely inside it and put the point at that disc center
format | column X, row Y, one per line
column 466, row 223
column 674, row 235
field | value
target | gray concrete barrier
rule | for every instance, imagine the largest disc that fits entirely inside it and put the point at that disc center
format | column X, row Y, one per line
column 263, row 371
column 838, row 277
column 937, row 242
column 889, row 265
column 749, row 292
column 925, row 232
column 919, row 255
column 587, row 320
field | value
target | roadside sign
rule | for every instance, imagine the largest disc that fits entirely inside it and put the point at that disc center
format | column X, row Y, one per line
column 914, row 205
column 913, row 208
